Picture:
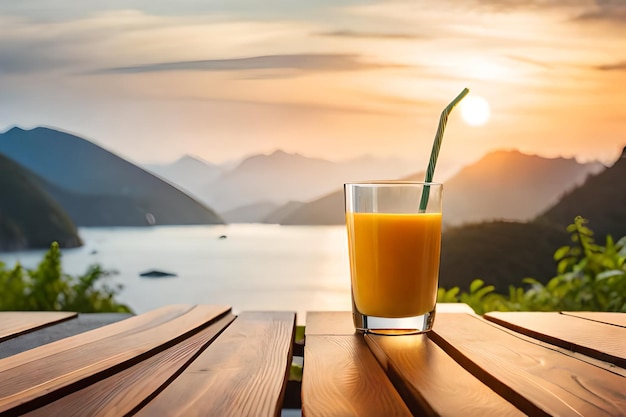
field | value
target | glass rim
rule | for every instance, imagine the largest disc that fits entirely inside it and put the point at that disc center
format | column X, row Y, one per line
column 392, row 182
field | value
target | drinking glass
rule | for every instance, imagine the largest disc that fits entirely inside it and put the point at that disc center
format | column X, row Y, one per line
column 394, row 240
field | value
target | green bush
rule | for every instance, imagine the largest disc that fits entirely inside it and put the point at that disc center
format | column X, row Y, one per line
column 590, row 277
column 48, row 288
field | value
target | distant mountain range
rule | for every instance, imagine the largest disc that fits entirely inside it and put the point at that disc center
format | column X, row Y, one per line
column 510, row 185
column 188, row 173
column 505, row 215
column 326, row 210
column 29, row 216
column 98, row 188
column 277, row 179
column 503, row 253
column 505, row 185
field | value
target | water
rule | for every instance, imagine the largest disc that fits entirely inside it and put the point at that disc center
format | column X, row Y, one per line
column 256, row 267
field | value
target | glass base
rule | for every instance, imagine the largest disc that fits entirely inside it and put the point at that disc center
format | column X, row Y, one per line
column 393, row 326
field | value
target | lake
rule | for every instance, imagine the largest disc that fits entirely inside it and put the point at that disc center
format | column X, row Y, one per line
column 256, row 267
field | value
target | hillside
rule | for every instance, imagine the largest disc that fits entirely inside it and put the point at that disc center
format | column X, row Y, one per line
column 253, row 213
column 601, row 200
column 282, row 177
column 97, row 187
column 29, row 217
column 277, row 216
column 500, row 253
column 326, row 210
column 505, row 185
column 510, row 185
column 188, row 173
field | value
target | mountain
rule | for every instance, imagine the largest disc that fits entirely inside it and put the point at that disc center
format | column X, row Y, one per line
column 601, row 200
column 253, row 213
column 29, row 217
column 277, row 216
column 282, row 177
column 188, row 173
column 510, row 185
column 326, row 210
column 97, row 187
column 505, row 185
column 500, row 253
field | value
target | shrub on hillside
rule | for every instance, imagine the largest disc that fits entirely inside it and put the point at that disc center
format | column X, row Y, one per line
column 590, row 277
column 48, row 288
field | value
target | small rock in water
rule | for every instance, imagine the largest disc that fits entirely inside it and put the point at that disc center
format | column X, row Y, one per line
column 153, row 273
column 223, row 237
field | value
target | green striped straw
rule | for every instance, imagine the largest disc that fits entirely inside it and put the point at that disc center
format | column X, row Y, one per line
column 434, row 153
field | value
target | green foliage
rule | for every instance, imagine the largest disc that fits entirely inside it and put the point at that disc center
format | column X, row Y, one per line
column 500, row 252
column 48, row 288
column 590, row 277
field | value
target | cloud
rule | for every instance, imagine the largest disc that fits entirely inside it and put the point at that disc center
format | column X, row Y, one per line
column 300, row 62
column 619, row 66
column 64, row 10
column 372, row 35
column 604, row 10
column 530, row 61
column 297, row 107
column 35, row 46
column 24, row 57
column 517, row 5
column 581, row 10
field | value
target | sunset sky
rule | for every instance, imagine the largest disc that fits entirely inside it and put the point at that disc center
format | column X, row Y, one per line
column 220, row 79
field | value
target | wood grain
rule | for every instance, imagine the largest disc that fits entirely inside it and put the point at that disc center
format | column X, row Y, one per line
column 242, row 373
column 329, row 323
column 538, row 380
column 15, row 323
column 128, row 390
column 341, row 377
column 592, row 338
column 616, row 319
column 432, row 383
column 33, row 378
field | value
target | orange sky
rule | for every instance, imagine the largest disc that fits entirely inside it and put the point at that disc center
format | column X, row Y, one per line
column 153, row 80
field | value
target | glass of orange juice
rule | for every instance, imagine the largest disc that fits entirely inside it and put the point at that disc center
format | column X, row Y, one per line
column 394, row 240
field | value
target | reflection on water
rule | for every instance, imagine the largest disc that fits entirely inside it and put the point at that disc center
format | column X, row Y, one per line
column 251, row 267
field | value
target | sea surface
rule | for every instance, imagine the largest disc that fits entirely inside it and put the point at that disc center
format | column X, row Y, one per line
column 246, row 266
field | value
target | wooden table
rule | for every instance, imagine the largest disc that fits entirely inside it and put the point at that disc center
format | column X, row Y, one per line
column 205, row 361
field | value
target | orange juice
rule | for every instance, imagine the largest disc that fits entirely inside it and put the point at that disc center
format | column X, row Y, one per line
column 394, row 262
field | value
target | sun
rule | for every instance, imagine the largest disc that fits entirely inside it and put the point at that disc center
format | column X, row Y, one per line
column 475, row 110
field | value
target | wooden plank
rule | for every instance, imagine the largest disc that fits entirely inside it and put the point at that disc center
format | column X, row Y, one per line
column 341, row 377
column 243, row 373
column 334, row 323
column 15, row 323
column 35, row 377
column 616, row 319
column 130, row 389
column 539, row 381
column 57, row 331
column 340, row 322
column 432, row 383
column 598, row 340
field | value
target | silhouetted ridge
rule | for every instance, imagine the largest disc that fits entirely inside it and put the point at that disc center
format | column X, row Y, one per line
column 510, row 185
column 29, row 217
column 601, row 200
column 500, row 253
column 97, row 187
